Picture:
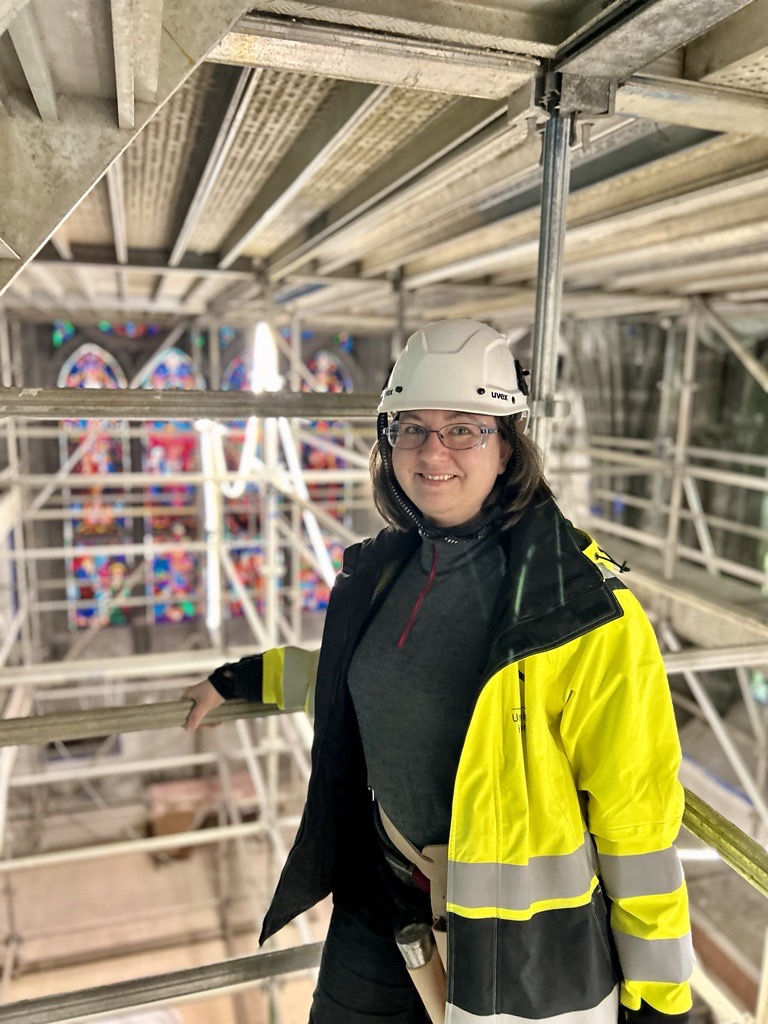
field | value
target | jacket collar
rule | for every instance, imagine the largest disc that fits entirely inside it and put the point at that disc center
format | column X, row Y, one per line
column 553, row 591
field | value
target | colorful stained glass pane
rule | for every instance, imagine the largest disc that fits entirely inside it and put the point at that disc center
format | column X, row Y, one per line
column 62, row 332
column 242, row 520
column 345, row 341
column 170, row 448
column 94, row 450
column 173, row 368
column 249, row 564
column 226, row 336
column 329, row 372
column 236, row 377
column 129, row 329
column 315, row 592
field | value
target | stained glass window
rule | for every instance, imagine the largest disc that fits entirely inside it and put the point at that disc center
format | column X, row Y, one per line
column 315, row 592
column 129, row 329
column 94, row 449
column 242, row 522
column 236, row 377
column 63, row 331
column 171, row 448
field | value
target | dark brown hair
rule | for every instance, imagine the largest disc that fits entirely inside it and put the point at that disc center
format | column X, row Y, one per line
column 521, row 481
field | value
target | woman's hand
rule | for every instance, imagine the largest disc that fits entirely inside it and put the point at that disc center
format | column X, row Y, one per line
column 206, row 698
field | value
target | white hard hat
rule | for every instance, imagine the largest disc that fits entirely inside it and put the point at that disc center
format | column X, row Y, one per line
column 460, row 365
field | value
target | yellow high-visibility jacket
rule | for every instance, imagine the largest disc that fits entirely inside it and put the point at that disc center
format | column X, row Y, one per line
column 566, row 901
column 567, row 793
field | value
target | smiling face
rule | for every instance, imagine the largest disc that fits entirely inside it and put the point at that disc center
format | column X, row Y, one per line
column 449, row 487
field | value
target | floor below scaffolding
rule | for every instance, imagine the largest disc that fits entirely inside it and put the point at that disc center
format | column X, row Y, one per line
column 80, row 925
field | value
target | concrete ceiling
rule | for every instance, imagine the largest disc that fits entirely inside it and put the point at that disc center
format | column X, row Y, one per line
column 221, row 160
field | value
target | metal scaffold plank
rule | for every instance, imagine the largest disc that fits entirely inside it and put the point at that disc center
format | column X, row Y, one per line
column 458, row 126
column 359, row 56
column 237, row 109
column 352, row 103
column 731, row 51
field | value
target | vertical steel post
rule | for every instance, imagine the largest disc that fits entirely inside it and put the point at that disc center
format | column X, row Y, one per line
column 269, row 505
column 19, row 701
column 6, row 362
column 294, row 380
column 549, row 286
column 271, row 572
column 213, row 527
column 663, row 428
column 10, row 357
column 682, row 436
column 397, row 343
column 214, row 355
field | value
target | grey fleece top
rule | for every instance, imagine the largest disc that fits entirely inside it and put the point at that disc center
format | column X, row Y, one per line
column 416, row 674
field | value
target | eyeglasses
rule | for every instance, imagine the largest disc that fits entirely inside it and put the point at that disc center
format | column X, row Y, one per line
column 457, row 436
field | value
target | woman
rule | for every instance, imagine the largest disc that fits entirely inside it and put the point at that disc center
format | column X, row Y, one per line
column 485, row 676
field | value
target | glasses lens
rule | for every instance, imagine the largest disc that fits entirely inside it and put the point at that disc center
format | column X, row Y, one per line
column 406, row 435
column 461, row 435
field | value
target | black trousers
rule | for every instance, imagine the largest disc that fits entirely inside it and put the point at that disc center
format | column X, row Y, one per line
column 363, row 978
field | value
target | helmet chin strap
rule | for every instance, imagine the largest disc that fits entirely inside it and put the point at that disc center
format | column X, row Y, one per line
column 474, row 530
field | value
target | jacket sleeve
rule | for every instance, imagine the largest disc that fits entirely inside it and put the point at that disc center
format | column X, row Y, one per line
column 621, row 740
column 284, row 676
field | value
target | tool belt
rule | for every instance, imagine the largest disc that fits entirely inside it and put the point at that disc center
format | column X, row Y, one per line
column 427, row 869
column 431, row 864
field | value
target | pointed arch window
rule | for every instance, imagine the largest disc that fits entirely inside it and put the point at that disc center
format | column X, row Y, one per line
column 170, row 448
column 242, row 520
column 94, row 449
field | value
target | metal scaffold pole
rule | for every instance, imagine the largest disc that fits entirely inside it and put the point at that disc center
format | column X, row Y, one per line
column 684, row 415
column 294, row 379
column 554, row 197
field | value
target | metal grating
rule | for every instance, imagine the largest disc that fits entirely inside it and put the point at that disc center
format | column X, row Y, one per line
column 426, row 203
column 488, row 177
column 749, row 73
column 155, row 164
column 281, row 107
column 390, row 122
column 711, row 162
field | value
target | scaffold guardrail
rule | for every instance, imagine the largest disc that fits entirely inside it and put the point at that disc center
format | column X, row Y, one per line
column 737, row 849
column 162, row 988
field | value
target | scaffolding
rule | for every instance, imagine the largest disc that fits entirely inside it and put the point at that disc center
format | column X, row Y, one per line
column 680, row 535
